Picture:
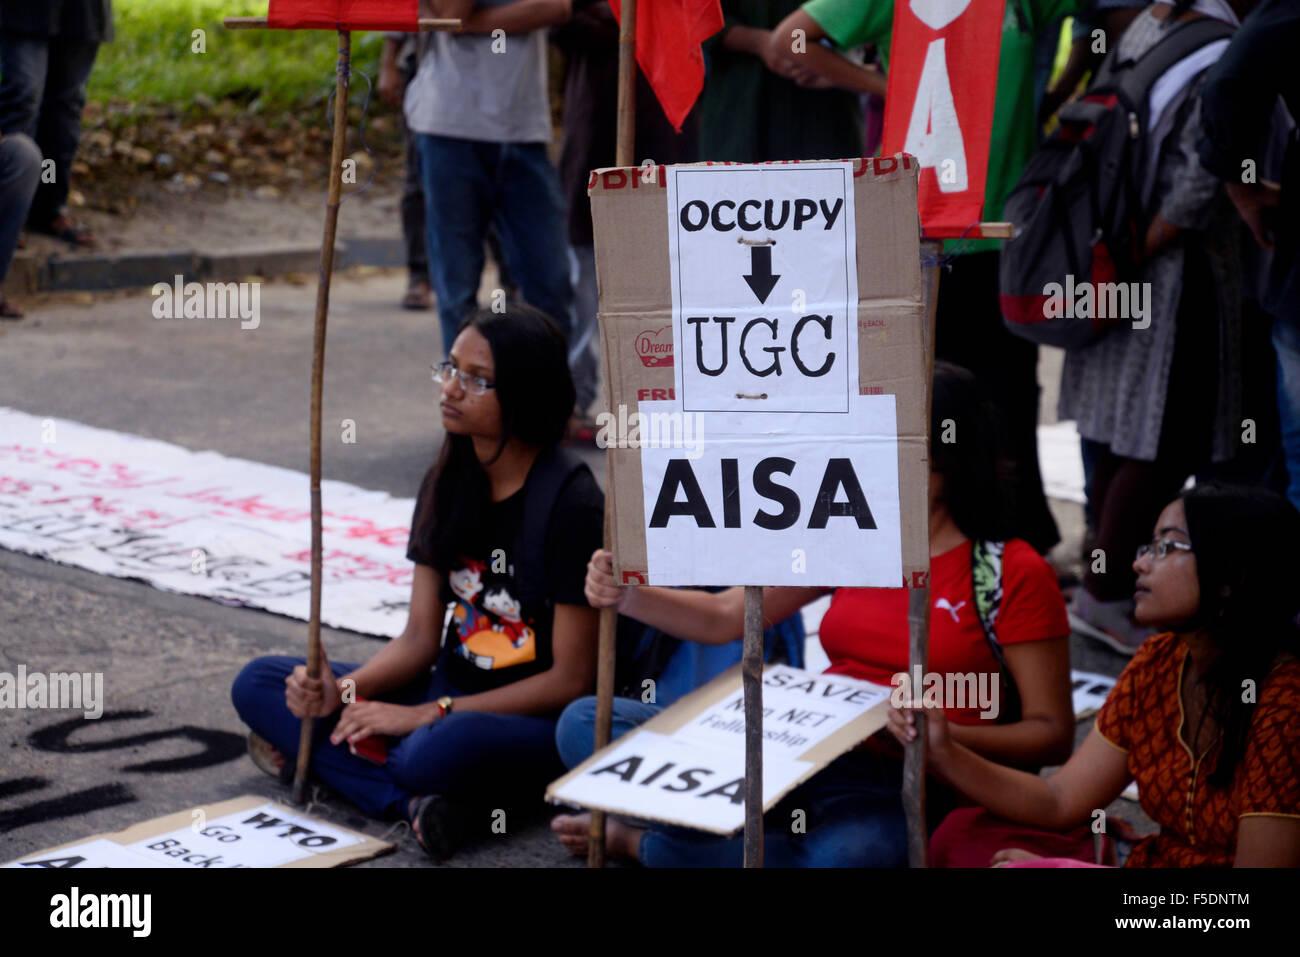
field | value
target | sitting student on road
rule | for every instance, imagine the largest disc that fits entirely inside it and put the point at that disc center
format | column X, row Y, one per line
column 1206, row 717
column 854, row 809
column 464, row 722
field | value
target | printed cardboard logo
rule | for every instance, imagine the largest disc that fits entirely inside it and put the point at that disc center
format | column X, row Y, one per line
column 655, row 347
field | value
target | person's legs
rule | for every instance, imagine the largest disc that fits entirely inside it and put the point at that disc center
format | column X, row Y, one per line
column 59, row 128
column 20, row 172
column 258, row 696
column 530, row 218
column 585, row 339
column 417, row 258
column 575, row 732
column 457, row 209
column 23, row 63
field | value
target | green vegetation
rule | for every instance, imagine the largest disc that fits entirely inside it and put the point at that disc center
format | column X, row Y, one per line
column 151, row 64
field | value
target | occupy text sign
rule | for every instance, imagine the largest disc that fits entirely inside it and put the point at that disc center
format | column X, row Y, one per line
column 763, row 287
column 687, row 764
column 762, row 334
column 939, row 107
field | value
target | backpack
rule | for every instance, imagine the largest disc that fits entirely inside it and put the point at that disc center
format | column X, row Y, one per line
column 986, row 582
column 1077, row 206
column 641, row 651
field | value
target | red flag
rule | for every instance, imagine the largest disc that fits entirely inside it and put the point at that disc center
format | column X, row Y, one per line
column 668, row 38
column 401, row 15
column 943, row 76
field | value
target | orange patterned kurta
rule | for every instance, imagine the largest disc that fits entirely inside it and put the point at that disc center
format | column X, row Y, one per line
column 1143, row 716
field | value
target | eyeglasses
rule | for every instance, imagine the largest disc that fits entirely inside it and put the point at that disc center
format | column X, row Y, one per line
column 1161, row 548
column 444, row 372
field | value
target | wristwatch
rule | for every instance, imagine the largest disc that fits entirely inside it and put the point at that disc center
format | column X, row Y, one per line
column 444, row 705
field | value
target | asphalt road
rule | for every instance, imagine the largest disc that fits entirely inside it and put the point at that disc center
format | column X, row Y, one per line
column 169, row 660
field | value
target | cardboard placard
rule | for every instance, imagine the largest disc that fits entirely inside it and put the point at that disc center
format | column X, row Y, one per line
column 248, row 831
column 762, row 329
column 686, row 765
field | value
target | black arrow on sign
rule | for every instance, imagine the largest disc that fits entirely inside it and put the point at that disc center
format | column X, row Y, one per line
column 761, row 279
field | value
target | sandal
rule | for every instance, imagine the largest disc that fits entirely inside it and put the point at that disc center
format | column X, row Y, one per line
column 438, row 826
column 8, row 310
column 268, row 759
column 417, row 296
column 62, row 227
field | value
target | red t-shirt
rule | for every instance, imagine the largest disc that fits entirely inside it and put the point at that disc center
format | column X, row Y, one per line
column 865, row 635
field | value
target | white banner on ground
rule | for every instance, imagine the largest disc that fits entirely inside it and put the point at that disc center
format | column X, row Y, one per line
column 200, row 523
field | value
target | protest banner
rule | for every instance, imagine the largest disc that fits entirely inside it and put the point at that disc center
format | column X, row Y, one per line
column 243, row 832
column 939, row 106
column 685, row 766
column 762, row 331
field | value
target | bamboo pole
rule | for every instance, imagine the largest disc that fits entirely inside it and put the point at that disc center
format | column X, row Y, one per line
column 751, row 674
column 623, row 156
column 259, row 23
column 342, row 79
column 918, row 608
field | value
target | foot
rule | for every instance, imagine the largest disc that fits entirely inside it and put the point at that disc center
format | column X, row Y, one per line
column 8, row 310
column 64, row 228
column 621, row 840
column 1009, row 854
column 418, row 295
column 438, row 825
column 266, row 757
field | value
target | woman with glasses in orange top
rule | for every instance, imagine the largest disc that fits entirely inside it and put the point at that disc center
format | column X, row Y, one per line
column 456, row 716
column 1206, row 717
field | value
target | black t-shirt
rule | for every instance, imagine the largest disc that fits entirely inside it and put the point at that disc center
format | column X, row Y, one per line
column 490, row 639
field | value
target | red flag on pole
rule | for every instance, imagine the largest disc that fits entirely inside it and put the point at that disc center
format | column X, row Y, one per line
column 943, row 75
column 668, row 38
column 400, row 15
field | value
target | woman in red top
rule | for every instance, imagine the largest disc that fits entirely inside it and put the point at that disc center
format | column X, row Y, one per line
column 1206, row 717
column 854, row 810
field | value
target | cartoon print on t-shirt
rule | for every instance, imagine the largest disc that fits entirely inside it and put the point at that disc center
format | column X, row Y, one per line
column 488, row 620
column 466, row 584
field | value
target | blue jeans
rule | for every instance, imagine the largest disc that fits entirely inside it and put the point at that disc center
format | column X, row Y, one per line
column 42, row 93
column 20, row 172
column 853, row 809
column 1286, row 341
column 469, row 185
column 475, row 757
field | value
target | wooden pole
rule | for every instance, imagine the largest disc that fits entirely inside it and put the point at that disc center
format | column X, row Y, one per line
column 751, row 674
column 343, row 75
column 623, row 156
column 918, row 608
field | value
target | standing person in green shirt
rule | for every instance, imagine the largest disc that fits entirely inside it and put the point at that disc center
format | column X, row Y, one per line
column 968, row 325
column 756, row 106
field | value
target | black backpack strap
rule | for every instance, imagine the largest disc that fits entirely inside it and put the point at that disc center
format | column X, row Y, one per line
column 551, row 472
column 1182, row 41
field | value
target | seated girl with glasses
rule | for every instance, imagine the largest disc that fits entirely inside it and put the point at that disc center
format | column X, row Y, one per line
column 447, row 723
column 1206, row 717
column 854, row 811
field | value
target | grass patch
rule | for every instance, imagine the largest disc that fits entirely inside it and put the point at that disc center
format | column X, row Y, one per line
column 151, row 64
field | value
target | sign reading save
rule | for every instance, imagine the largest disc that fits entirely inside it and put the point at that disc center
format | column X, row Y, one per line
column 770, row 440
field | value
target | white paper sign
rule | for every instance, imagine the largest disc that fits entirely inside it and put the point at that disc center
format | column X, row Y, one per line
column 788, row 508
column 764, row 286
column 1089, row 691
column 97, row 853
column 267, row 836
column 695, row 776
